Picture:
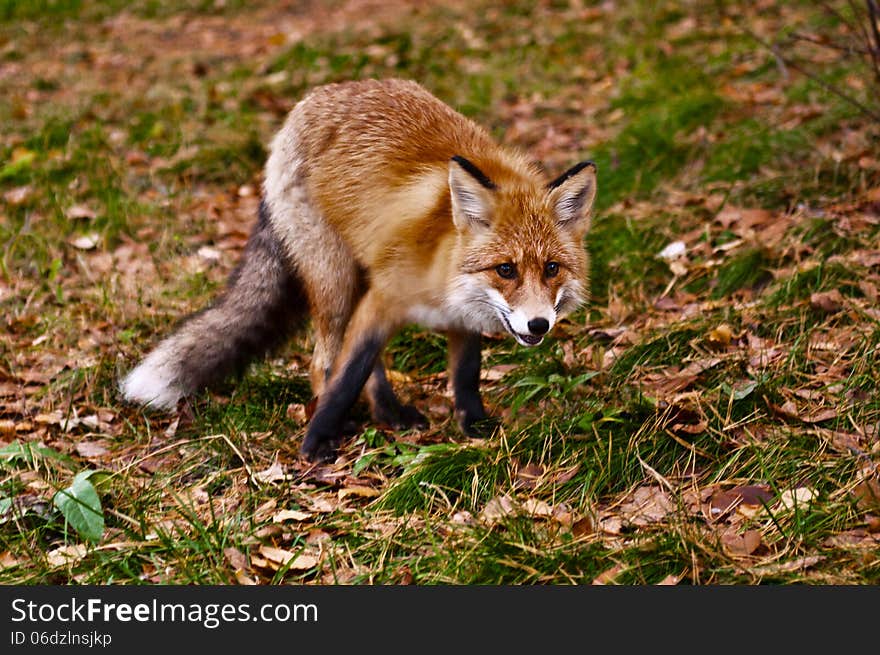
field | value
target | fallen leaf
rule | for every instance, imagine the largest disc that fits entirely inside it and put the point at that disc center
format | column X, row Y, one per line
column 789, row 410
column 645, row 505
column 66, row 555
column 86, row 241
column 740, row 220
column 527, row 476
column 745, row 499
column 236, row 558
column 669, row 580
column 18, row 195
column 90, row 449
column 243, row 578
column 827, row 301
column 275, row 473
column 799, row 564
column 536, row 508
column 291, row 515
column 321, row 504
column 583, row 527
column 363, row 492
column 800, row 497
column 497, row 372
column 867, row 495
column 8, row 560
column 208, row 254
column 497, row 508
column 856, row 538
column 278, row 558
column 720, row 336
column 609, row 575
column 80, row 211
column 674, row 250
column 611, row 525
column 741, row 544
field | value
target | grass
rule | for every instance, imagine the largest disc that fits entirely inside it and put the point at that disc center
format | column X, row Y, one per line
column 618, row 437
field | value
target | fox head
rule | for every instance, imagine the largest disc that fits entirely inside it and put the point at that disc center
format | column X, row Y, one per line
column 522, row 262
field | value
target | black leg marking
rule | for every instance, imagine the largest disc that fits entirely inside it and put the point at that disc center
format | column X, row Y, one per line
column 325, row 429
column 465, row 363
column 387, row 408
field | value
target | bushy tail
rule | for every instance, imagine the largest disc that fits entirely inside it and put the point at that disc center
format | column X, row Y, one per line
column 262, row 305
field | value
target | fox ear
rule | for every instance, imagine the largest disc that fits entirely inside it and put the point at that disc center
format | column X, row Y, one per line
column 571, row 196
column 471, row 193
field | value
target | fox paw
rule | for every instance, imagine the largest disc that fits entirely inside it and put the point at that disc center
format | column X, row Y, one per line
column 476, row 425
column 317, row 448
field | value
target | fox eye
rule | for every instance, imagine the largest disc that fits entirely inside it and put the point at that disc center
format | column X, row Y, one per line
column 551, row 269
column 505, row 270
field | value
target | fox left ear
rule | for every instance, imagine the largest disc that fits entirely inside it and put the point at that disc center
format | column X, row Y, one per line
column 571, row 196
column 472, row 195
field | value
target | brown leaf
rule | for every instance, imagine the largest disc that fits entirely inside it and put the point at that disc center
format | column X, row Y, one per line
column 645, row 505
column 362, row 492
column 275, row 473
column 244, row 579
column 18, row 195
column 497, row 372
column 789, row 410
column 740, row 220
column 66, row 555
column 746, row 500
column 796, row 498
column 278, row 558
column 799, row 564
column 720, row 336
column 536, row 508
column 741, row 544
column 610, row 575
column 291, row 515
column 583, row 526
column 561, row 476
column 236, row 558
column 527, row 476
column 497, row 508
column 90, row 449
column 86, row 241
column 8, row 560
column 867, row 494
column 80, row 211
column 827, row 301
column 754, row 494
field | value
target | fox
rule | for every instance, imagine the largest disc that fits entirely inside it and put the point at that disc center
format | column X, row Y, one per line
column 382, row 206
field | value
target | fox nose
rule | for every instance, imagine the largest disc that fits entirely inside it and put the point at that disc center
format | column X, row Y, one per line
column 539, row 326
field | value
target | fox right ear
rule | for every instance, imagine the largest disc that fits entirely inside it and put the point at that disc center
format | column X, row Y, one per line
column 471, row 193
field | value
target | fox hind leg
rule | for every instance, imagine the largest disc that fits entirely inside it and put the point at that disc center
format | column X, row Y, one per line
column 385, row 406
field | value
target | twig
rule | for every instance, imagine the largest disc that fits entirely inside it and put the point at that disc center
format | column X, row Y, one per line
column 834, row 45
column 828, row 87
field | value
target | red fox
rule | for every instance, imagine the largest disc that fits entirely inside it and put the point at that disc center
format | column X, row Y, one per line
column 382, row 206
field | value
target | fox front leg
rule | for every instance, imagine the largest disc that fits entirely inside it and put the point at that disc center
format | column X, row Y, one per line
column 464, row 372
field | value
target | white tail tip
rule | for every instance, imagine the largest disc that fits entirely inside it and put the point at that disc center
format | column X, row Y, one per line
column 150, row 384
